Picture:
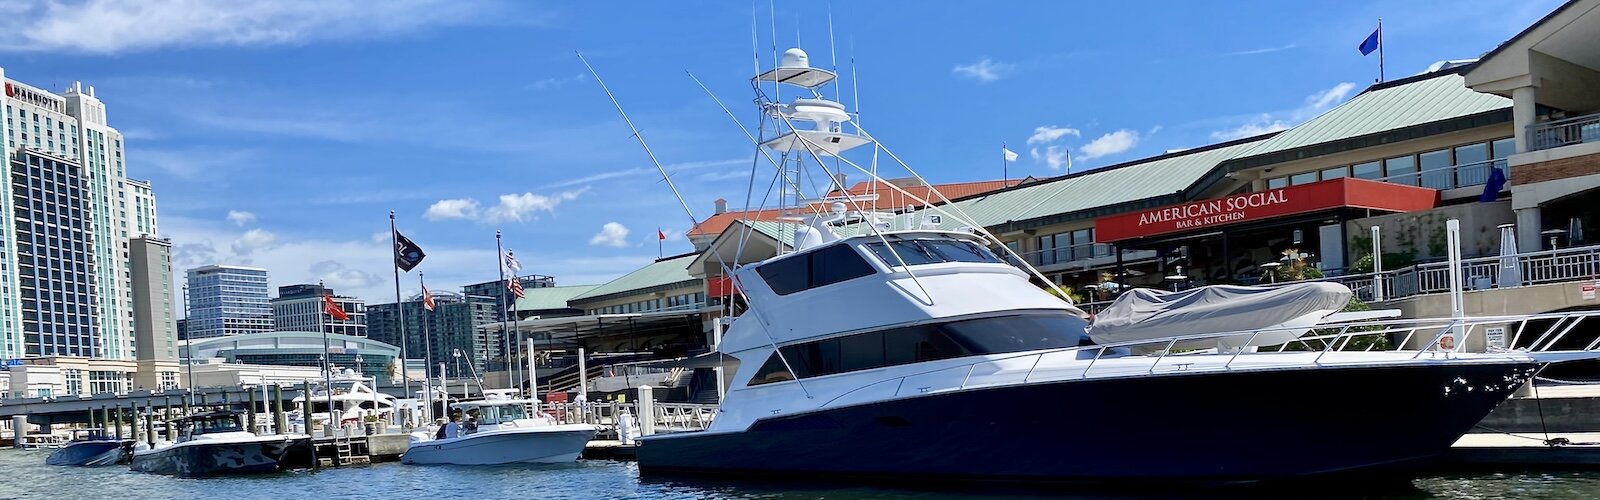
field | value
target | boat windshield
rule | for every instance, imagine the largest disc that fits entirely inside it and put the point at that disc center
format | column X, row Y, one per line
column 930, row 251
column 497, row 414
column 214, row 425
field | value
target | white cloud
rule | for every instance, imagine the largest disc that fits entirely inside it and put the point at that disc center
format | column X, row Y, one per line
column 1049, row 133
column 457, row 208
column 520, row 207
column 1260, row 125
column 553, row 82
column 984, row 71
column 1054, row 156
column 196, row 163
column 119, row 26
column 1109, row 144
column 1266, row 50
column 1325, row 99
column 252, row 240
column 1314, row 104
column 240, row 217
column 612, row 234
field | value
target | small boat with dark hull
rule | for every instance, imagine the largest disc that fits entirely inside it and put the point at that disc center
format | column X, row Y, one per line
column 216, row 444
column 91, row 447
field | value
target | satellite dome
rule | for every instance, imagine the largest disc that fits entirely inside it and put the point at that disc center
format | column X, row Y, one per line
column 796, row 58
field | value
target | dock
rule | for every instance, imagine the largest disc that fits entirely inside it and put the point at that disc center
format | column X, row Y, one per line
column 1529, row 449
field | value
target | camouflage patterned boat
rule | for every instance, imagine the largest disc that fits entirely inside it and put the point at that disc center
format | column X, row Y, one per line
column 215, row 444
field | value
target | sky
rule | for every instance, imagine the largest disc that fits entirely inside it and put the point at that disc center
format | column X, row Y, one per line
column 281, row 134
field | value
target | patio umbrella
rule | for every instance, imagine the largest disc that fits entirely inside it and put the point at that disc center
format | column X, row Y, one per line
column 1510, row 265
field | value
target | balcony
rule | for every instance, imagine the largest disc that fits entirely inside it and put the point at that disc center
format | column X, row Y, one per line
column 1549, row 266
column 1451, row 177
column 1564, row 132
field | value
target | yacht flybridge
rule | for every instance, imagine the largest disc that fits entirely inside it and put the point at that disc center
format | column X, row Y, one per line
column 907, row 352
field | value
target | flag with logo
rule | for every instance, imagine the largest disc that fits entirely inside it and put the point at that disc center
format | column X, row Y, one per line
column 406, row 254
column 510, row 264
column 332, row 308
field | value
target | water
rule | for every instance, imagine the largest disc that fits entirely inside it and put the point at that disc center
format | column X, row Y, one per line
column 26, row 476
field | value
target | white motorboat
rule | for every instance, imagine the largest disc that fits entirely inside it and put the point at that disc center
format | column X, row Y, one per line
column 505, row 434
column 215, row 444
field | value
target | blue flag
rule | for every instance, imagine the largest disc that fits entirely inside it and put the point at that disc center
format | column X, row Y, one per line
column 1491, row 189
column 1371, row 43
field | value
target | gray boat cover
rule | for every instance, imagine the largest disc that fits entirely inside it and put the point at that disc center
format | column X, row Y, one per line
column 1143, row 313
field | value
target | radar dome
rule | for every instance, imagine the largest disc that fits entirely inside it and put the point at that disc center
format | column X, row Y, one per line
column 796, row 58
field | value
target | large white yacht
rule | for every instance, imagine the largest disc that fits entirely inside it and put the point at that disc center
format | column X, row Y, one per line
column 921, row 354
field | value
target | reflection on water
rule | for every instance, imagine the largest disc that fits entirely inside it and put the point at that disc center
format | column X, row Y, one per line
column 26, row 476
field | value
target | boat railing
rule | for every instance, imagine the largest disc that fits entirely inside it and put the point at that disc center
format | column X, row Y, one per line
column 1445, row 337
column 669, row 417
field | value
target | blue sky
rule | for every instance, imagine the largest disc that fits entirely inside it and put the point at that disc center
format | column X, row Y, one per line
column 281, row 134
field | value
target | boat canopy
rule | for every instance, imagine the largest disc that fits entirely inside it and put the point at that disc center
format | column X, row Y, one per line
column 1142, row 313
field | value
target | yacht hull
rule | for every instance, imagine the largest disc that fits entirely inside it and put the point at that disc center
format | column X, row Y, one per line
column 88, row 453
column 1224, row 427
column 199, row 458
column 537, row 445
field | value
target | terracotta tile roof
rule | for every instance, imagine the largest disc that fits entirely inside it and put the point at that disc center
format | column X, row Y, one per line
column 888, row 200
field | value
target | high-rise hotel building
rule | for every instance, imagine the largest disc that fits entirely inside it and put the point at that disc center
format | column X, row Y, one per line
column 70, row 215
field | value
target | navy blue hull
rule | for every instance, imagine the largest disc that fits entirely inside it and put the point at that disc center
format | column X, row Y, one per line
column 216, row 459
column 1221, row 427
column 85, row 452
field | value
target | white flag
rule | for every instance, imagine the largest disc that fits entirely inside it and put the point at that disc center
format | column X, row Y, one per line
column 512, row 266
column 1009, row 154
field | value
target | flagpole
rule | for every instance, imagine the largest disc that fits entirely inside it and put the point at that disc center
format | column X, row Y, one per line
column 659, row 243
column 1005, row 165
column 327, row 359
column 505, row 327
column 427, row 342
column 400, row 310
column 1380, row 50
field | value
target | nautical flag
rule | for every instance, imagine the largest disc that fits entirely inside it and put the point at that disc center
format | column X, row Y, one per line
column 512, row 267
column 1491, row 189
column 1371, row 43
column 406, row 254
column 1008, row 153
column 515, row 285
column 332, row 308
column 427, row 299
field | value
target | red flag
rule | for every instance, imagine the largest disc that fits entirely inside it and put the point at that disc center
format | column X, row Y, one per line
column 660, row 235
column 332, row 308
column 427, row 299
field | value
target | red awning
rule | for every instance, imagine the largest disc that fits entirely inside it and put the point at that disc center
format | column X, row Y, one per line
column 1249, row 207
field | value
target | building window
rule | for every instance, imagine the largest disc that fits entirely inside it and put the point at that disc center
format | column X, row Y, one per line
column 1401, row 170
column 1369, row 171
column 1334, row 173
column 1304, row 178
column 1435, row 168
column 1278, row 183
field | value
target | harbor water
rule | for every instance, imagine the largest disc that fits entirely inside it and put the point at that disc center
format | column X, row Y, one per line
column 26, row 476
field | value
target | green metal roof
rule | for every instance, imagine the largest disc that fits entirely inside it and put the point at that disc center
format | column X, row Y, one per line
column 1386, row 107
column 1162, row 175
column 664, row 272
column 552, row 297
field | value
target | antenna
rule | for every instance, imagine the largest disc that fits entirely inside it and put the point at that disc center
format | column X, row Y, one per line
column 636, row 135
column 833, row 53
column 755, row 43
column 772, row 17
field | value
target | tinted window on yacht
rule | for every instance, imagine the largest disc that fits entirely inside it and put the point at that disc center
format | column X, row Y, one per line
column 822, row 267
column 917, row 252
column 915, row 344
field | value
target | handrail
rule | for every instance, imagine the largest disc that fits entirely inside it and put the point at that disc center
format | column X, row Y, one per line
column 1564, row 132
column 1348, row 330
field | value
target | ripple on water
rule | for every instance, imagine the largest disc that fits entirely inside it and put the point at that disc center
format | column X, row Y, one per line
column 26, row 476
